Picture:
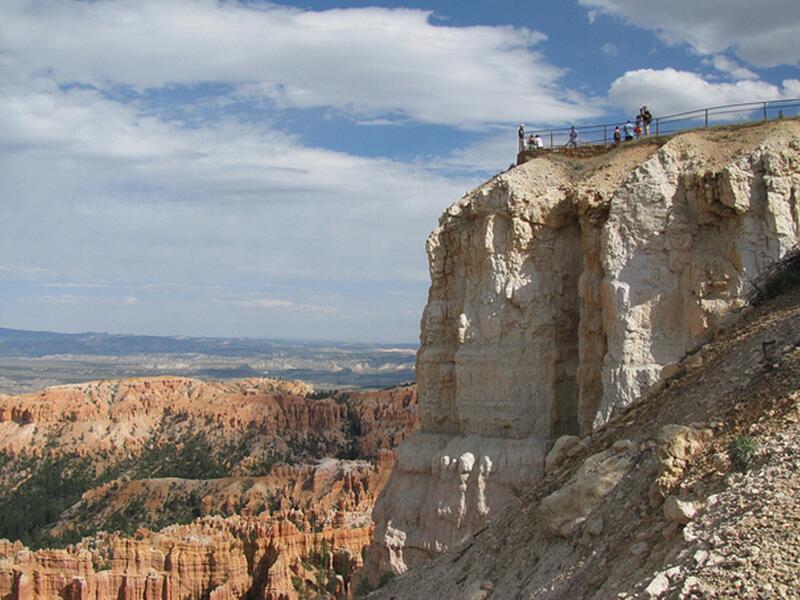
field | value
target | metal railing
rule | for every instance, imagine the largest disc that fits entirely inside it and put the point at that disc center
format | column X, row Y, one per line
column 666, row 125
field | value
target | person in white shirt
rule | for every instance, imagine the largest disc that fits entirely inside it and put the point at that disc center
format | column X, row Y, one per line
column 628, row 130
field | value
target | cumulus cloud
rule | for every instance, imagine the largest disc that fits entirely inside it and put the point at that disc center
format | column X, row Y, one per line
column 368, row 62
column 732, row 68
column 668, row 91
column 87, row 172
column 97, row 191
column 142, row 150
column 765, row 34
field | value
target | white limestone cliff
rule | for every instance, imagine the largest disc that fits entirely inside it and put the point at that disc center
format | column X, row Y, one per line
column 559, row 292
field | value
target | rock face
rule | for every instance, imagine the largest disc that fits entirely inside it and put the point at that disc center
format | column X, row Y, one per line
column 741, row 537
column 560, row 292
column 565, row 509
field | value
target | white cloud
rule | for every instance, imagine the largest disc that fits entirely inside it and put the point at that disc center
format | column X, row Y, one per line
column 266, row 303
column 370, row 62
column 764, row 34
column 668, row 91
column 610, row 49
column 81, row 172
column 492, row 153
column 110, row 176
column 94, row 191
column 88, row 300
column 731, row 67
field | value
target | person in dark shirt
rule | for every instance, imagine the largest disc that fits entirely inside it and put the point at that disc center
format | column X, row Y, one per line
column 647, row 118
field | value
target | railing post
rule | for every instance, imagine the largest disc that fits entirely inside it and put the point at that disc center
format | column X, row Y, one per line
column 765, row 111
column 551, row 139
column 605, row 135
column 706, row 112
column 656, row 126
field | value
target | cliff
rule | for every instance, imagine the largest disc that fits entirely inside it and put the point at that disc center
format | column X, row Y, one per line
column 564, row 290
column 691, row 492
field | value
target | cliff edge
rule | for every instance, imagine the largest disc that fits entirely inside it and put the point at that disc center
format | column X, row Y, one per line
column 564, row 290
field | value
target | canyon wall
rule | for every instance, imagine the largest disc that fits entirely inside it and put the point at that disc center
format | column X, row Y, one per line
column 561, row 292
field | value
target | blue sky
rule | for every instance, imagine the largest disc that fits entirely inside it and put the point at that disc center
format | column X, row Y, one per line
column 258, row 169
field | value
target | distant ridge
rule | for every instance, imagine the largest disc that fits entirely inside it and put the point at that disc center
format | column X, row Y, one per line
column 36, row 344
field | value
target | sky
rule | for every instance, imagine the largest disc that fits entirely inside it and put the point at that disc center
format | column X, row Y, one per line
column 246, row 168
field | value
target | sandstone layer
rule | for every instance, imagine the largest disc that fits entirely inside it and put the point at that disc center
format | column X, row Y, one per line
column 561, row 292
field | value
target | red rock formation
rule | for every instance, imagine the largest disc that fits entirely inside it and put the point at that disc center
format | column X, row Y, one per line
column 118, row 417
column 214, row 557
column 318, row 524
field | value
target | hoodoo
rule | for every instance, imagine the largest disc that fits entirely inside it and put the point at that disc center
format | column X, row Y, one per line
column 561, row 292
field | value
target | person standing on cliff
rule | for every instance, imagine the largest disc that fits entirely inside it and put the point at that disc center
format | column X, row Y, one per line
column 521, row 134
column 617, row 136
column 647, row 118
column 628, row 129
column 573, row 137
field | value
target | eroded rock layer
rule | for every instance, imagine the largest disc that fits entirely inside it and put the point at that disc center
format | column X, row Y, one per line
column 217, row 558
column 254, row 488
column 561, row 291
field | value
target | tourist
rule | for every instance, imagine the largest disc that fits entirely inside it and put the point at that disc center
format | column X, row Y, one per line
column 647, row 118
column 617, row 136
column 638, row 129
column 531, row 142
column 521, row 134
column 573, row 137
column 628, row 130
column 538, row 142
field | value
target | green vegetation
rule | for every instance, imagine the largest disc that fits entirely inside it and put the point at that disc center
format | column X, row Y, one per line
column 742, row 452
column 41, row 489
column 190, row 457
column 177, row 510
column 780, row 277
column 325, row 566
column 781, row 282
column 365, row 588
column 51, row 486
column 354, row 431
